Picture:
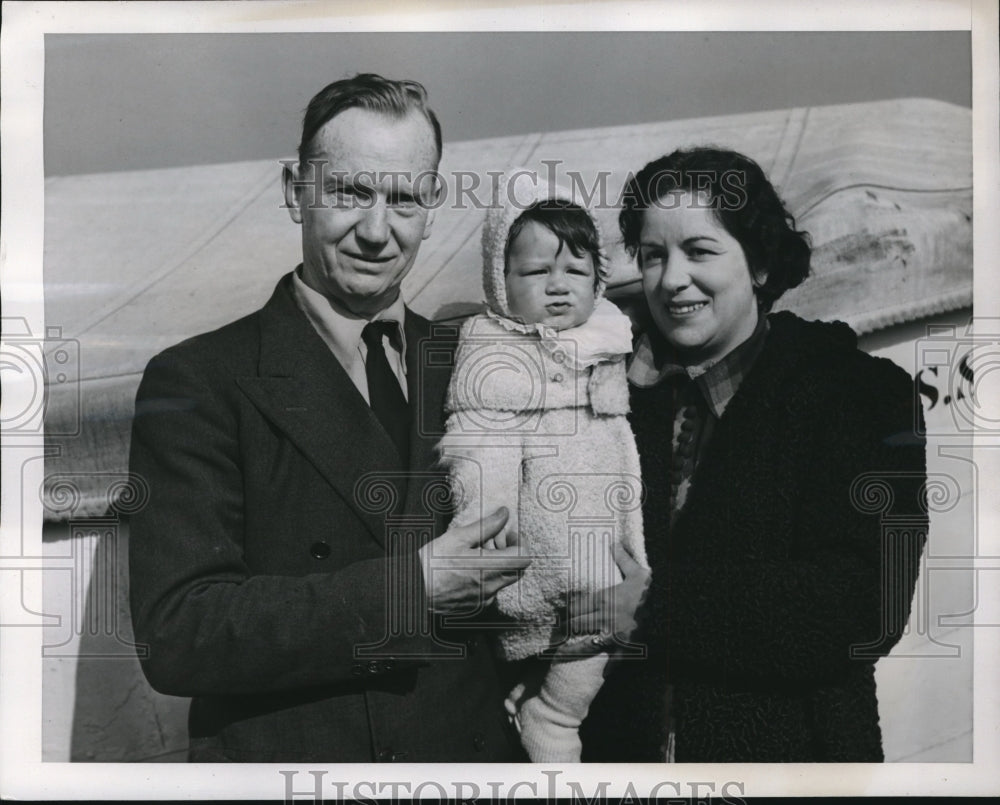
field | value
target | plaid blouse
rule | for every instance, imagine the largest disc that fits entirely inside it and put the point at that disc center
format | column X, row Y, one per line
column 717, row 382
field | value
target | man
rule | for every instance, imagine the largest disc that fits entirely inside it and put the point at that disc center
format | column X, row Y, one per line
column 284, row 569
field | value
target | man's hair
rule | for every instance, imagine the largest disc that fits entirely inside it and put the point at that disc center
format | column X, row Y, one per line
column 365, row 91
column 742, row 200
column 569, row 222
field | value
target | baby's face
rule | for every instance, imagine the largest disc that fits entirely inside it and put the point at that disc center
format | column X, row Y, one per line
column 546, row 287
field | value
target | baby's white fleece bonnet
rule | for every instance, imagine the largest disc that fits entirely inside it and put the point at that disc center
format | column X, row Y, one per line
column 513, row 193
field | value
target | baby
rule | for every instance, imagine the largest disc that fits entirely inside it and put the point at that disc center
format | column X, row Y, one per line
column 537, row 422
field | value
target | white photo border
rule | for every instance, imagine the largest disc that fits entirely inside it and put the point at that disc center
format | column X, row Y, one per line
column 22, row 772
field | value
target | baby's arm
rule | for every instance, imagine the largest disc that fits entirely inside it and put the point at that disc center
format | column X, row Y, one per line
column 484, row 473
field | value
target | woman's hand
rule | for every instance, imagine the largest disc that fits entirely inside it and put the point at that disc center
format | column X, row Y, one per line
column 608, row 615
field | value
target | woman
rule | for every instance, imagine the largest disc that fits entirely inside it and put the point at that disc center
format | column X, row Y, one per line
column 771, row 448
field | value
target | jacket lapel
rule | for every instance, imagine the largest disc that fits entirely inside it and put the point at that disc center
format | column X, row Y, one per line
column 305, row 392
column 428, row 370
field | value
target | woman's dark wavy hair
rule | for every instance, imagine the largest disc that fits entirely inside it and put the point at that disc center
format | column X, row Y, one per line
column 744, row 202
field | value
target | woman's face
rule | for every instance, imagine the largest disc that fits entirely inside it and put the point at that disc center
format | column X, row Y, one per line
column 696, row 279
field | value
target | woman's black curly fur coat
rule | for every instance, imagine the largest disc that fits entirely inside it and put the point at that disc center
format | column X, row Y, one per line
column 790, row 569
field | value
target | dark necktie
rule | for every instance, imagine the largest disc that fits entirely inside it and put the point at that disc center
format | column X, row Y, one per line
column 384, row 392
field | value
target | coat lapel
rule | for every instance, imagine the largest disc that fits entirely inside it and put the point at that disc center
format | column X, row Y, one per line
column 429, row 358
column 305, row 392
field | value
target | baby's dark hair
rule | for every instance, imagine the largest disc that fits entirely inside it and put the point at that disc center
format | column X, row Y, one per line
column 569, row 222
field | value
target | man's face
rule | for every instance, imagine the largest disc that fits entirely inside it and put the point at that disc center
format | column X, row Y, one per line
column 363, row 205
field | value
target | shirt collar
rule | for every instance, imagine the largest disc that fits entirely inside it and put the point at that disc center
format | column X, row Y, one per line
column 717, row 382
column 338, row 327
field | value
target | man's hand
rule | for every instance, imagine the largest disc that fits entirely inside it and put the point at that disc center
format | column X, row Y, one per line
column 460, row 574
column 608, row 615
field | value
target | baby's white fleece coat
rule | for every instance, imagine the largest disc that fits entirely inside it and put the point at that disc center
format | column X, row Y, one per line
column 550, row 442
column 536, row 422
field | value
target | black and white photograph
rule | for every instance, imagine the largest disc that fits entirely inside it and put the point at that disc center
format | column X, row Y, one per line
column 542, row 400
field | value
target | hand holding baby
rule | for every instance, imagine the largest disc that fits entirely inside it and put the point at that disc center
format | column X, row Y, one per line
column 461, row 573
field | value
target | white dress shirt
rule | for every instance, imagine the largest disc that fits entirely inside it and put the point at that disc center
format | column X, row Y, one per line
column 341, row 332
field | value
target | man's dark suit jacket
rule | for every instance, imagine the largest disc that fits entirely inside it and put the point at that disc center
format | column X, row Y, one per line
column 273, row 572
